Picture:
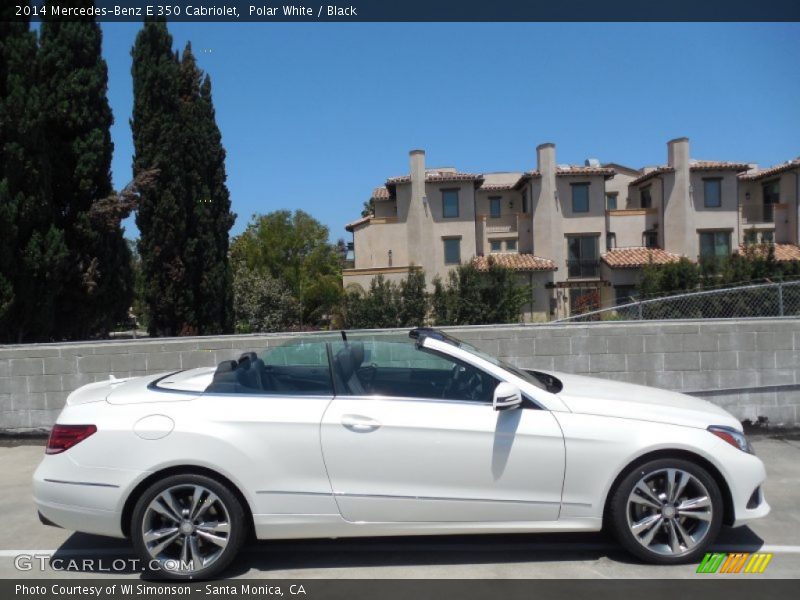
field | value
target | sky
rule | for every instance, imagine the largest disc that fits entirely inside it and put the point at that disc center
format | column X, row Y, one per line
column 314, row 116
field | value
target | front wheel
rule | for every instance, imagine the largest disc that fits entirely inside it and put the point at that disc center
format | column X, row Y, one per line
column 667, row 511
column 187, row 527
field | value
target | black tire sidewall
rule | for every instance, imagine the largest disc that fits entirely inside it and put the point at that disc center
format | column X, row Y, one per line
column 238, row 530
column 619, row 505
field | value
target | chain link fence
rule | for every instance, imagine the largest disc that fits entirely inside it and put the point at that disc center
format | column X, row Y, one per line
column 762, row 300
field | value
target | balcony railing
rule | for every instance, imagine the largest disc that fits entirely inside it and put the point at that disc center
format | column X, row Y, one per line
column 759, row 213
column 583, row 268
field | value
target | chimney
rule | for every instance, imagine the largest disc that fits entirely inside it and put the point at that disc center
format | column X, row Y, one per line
column 678, row 153
column 547, row 226
column 546, row 160
column 678, row 227
column 417, row 159
column 417, row 218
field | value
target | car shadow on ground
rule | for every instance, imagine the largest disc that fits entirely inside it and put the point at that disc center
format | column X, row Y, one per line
column 100, row 555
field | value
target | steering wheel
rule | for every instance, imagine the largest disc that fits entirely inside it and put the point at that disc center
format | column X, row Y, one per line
column 463, row 384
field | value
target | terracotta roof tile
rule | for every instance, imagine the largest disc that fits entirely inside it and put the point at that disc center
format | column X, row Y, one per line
column 380, row 193
column 515, row 262
column 633, row 258
column 761, row 173
column 495, row 182
column 437, row 176
column 783, row 252
column 650, row 174
column 717, row 165
column 695, row 165
column 352, row 225
column 574, row 170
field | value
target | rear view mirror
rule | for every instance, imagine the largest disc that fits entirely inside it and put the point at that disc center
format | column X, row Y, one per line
column 506, row 396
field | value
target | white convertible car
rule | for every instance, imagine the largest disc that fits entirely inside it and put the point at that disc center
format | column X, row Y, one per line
column 368, row 436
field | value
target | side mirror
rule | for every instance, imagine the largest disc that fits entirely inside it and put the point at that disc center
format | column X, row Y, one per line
column 506, row 397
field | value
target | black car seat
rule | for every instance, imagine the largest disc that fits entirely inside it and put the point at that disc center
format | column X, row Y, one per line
column 224, row 380
column 347, row 362
column 247, row 374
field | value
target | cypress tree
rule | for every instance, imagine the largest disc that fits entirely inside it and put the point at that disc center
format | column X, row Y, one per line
column 32, row 249
column 77, row 119
column 207, row 201
column 163, row 214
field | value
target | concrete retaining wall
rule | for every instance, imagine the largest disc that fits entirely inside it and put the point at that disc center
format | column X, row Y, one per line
column 750, row 367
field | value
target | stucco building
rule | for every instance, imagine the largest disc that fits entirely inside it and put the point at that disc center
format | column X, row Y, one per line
column 578, row 235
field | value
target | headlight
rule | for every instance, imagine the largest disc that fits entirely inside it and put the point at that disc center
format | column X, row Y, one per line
column 733, row 437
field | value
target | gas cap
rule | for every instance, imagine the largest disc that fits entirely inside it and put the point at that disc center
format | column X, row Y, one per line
column 153, row 427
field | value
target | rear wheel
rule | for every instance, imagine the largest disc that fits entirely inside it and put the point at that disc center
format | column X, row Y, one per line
column 667, row 511
column 187, row 527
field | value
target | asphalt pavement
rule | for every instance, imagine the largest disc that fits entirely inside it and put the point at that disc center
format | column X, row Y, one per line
column 569, row 556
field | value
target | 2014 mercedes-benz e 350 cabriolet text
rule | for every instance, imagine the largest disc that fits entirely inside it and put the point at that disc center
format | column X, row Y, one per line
column 377, row 435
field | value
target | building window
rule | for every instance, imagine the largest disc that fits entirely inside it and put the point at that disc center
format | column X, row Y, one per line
column 772, row 195
column 450, row 204
column 511, row 245
column 611, row 201
column 624, row 294
column 495, row 246
column 712, row 193
column 611, row 241
column 650, row 239
column 715, row 244
column 452, row 251
column 525, row 201
column 580, row 197
column 583, row 257
column 494, row 207
column 647, row 199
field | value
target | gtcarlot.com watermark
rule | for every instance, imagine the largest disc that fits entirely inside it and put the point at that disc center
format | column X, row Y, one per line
column 45, row 562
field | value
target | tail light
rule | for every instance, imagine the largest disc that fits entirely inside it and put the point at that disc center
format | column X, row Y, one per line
column 64, row 437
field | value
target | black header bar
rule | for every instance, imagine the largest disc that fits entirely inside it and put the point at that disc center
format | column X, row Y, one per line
column 420, row 10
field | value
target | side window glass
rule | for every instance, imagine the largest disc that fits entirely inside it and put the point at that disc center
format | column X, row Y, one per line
column 296, row 369
column 401, row 370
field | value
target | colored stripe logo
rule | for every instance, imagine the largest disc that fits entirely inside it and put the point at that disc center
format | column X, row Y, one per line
column 734, row 562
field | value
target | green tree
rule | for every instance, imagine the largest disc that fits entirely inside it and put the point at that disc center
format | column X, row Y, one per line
column 73, row 80
column 503, row 295
column 377, row 308
column 294, row 249
column 368, row 209
column 32, row 248
column 413, row 307
column 207, row 200
column 163, row 215
column 658, row 280
column 472, row 297
column 261, row 303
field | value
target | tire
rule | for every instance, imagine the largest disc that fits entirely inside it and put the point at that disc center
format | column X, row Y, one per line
column 663, row 523
column 185, row 519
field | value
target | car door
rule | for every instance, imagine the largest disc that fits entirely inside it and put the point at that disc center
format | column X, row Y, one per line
column 413, row 437
column 268, row 409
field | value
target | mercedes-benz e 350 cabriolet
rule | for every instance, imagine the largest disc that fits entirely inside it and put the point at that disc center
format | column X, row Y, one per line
column 375, row 435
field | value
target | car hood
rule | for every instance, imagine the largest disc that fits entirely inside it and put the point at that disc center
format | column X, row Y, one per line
column 595, row 396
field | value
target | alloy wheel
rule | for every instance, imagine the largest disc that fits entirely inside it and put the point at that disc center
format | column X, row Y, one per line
column 669, row 512
column 186, row 528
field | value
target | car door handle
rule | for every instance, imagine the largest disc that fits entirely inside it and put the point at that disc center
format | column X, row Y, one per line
column 360, row 423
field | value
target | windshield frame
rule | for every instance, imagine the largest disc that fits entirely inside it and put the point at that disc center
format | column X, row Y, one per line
column 421, row 333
